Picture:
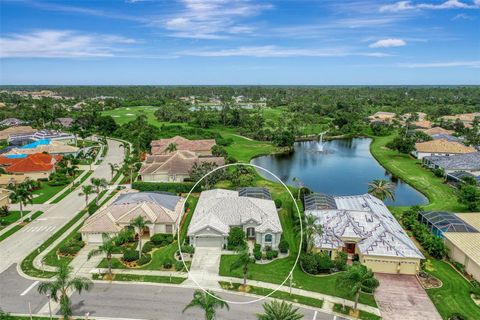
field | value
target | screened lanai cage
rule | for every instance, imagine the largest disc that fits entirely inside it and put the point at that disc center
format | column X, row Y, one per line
column 440, row 222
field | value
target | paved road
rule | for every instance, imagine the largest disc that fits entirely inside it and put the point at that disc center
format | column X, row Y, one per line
column 127, row 300
column 20, row 244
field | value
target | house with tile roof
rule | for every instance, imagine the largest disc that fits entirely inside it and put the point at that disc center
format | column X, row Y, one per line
column 173, row 167
column 465, row 118
column 161, row 211
column 5, row 134
column 440, row 147
column 362, row 225
column 382, row 116
column 468, row 162
column 438, row 130
column 9, row 122
column 44, row 146
column 34, row 166
column 199, row 147
column 423, row 124
column 218, row 210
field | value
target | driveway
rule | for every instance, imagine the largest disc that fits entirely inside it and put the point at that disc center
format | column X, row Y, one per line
column 401, row 297
column 205, row 267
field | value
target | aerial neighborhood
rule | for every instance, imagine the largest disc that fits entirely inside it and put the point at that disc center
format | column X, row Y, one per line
column 111, row 191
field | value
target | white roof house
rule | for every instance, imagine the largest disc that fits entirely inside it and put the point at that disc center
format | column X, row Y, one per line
column 363, row 225
column 218, row 210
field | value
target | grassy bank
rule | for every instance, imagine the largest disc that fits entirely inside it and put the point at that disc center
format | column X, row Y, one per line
column 441, row 196
column 143, row 278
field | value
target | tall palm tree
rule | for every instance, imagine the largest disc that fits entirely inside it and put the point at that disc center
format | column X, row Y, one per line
column 59, row 288
column 98, row 184
column 172, row 147
column 382, row 189
column 139, row 224
column 243, row 259
column 108, row 248
column 276, row 310
column 311, row 229
column 356, row 278
column 113, row 169
column 87, row 190
column 208, row 302
column 21, row 194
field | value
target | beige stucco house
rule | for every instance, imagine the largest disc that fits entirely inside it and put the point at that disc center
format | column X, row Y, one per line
column 440, row 147
column 362, row 225
column 4, row 197
column 161, row 211
column 218, row 210
column 199, row 147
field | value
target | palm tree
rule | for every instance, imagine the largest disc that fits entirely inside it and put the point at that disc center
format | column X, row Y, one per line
column 139, row 224
column 208, row 302
column 243, row 259
column 59, row 288
column 87, row 190
column 382, row 189
column 311, row 229
column 276, row 310
column 299, row 184
column 98, row 184
column 171, row 148
column 113, row 168
column 356, row 278
column 108, row 248
column 126, row 147
column 21, row 194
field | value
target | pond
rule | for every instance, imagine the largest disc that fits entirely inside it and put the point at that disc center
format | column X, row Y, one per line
column 344, row 167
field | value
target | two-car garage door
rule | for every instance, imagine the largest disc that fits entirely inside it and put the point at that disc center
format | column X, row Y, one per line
column 208, row 241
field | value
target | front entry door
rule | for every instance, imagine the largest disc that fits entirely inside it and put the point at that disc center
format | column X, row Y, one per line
column 350, row 248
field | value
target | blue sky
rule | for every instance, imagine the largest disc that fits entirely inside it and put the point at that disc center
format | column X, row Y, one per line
column 301, row 42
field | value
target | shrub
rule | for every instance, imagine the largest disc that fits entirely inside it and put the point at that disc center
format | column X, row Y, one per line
column 167, row 263
column 236, row 238
column 183, row 187
column 161, row 239
column 144, row 259
column 275, row 253
column 188, row 249
column 278, row 203
column 324, row 262
column 309, row 263
column 340, row 261
column 257, row 255
column 457, row 316
column 179, row 266
column 4, row 211
column 69, row 249
column 147, row 247
column 130, row 255
column 269, row 254
column 283, row 246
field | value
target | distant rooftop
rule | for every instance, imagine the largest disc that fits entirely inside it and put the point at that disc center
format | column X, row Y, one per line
column 318, row 201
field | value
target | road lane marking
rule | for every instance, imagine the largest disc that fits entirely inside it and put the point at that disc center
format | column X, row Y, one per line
column 29, row 288
column 315, row 315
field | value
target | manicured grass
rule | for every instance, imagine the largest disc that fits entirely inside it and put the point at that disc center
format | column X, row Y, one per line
column 69, row 190
column 46, row 192
column 277, row 271
column 127, row 114
column 454, row 295
column 27, row 263
column 363, row 314
column 116, row 264
column 7, row 234
column 441, row 196
column 144, row 278
column 52, row 259
column 13, row 216
column 278, row 294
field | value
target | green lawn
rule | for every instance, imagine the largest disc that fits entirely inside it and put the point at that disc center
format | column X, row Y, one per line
column 454, row 295
column 441, row 196
column 69, row 190
column 13, row 216
column 278, row 294
column 46, row 191
column 144, row 278
column 127, row 114
column 19, row 226
column 363, row 315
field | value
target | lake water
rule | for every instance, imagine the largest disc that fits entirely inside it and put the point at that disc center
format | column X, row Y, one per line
column 344, row 167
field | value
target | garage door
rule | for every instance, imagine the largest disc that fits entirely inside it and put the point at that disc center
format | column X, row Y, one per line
column 212, row 242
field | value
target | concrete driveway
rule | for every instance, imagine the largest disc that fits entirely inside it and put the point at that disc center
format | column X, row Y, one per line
column 401, row 297
column 205, row 267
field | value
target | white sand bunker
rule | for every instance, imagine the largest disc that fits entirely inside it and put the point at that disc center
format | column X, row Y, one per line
column 130, row 114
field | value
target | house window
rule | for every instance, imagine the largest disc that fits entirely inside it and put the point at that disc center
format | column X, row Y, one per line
column 250, row 232
column 168, row 228
column 268, row 238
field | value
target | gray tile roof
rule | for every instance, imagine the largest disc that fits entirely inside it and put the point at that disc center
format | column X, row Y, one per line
column 465, row 161
column 165, row 200
column 220, row 209
column 368, row 219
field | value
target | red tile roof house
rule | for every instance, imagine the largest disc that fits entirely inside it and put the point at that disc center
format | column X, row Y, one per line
column 34, row 166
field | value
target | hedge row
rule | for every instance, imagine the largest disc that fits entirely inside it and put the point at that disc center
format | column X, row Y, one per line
column 173, row 187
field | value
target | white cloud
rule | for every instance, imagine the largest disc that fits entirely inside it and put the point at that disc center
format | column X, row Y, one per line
column 212, row 19
column 278, row 52
column 387, row 43
column 61, row 44
column 449, row 4
column 447, row 64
